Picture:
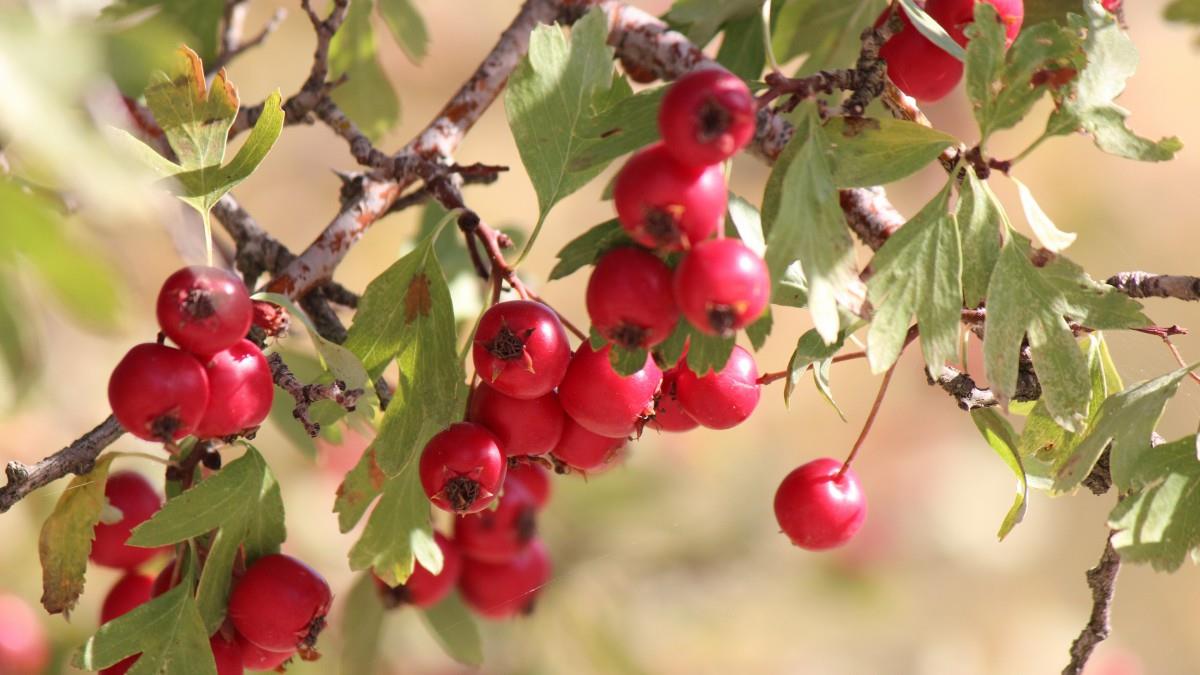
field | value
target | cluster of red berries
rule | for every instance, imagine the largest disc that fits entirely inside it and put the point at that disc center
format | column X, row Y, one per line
column 216, row 385
column 276, row 610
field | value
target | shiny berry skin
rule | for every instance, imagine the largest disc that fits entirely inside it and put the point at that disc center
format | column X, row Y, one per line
column 462, row 468
column 722, row 286
column 158, row 393
column 259, row 659
column 505, row 590
column 818, row 510
column 204, row 309
column 583, row 450
column 227, row 654
column 280, row 603
column 423, row 589
column 956, row 15
column 1111, row 5
column 521, row 349
column 666, row 205
column 521, row 427
column 629, row 298
column 534, row 478
column 137, row 500
column 706, row 117
column 131, row 590
column 724, row 399
column 498, row 535
column 163, row 582
column 241, row 388
column 601, row 400
column 24, row 647
column 915, row 64
column 669, row 414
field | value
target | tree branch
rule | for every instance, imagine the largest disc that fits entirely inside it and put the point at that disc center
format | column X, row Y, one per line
column 1147, row 285
column 1102, row 579
column 76, row 458
column 308, row 394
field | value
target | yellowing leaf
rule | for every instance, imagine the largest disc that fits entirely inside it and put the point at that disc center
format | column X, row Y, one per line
column 66, row 538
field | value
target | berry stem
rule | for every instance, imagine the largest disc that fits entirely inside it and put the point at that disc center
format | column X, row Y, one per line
column 565, row 322
column 768, row 378
column 862, row 436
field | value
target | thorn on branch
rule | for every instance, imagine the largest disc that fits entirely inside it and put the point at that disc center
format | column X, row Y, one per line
column 308, row 394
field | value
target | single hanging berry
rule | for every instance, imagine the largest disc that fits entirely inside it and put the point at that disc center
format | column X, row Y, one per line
column 280, row 604
column 722, row 399
column 158, row 393
column 667, row 205
column 498, row 535
column 423, row 588
column 462, row 468
column 819, row 506
column 204, row 309
column 508, row 589
column 629, row 298
column 706, row 117
column 915, row 64
column 522, row 427
column 136, row 500
column 603, row 401
column 241, row 388
column 722, row 286
column 521, row 349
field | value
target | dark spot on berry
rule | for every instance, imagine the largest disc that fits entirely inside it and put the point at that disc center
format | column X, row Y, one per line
column 164, row 426
column 526, row 525
column 507, row 345
column 629, row 336
column 722, row 318
column 714, row 120
column 199, row 304
column 662, row 226
column 309, row 642
column 461, row 492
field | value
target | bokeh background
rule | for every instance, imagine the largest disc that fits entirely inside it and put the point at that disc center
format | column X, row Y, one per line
column 672, row 563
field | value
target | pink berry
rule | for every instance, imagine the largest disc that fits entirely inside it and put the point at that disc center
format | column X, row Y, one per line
column 629, row 298
column 916, row 65
column 257, row 658
column 204, row 309
column 819, row 509
column 498, row 535
column 280, row 603
column 227, row 654
column 24, row 647
column 521, row 349
column 667, row 205
column 603, row 401
column 130, row 591
column 522, row 427
column 723, row 399
column 137, row 500
column 669, row 414
column 158, row 393
column 507, row 589
column 423, row 589
column 706, row 117
column 722, row 286
column 241, row 388
column 462, row 468
column 585, row 451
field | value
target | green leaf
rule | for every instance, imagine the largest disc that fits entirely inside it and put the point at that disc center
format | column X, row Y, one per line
column 19, row 349
column 167, row 631
column 585, row 249
column 455, row 630
column 1158, row 523
column 743, row 51
column 200, row 18
column 981, row 222
column 869, row 151
column 66, row 538
column 803, row 222
column 918, row 272
column 747, row 222
column 812, row 351
column 1183, row 11
column 931, row 29
column 359, row 488
column 386, row 542
column 704, row 352
column 700, row 20
column 367, row 97
column 1028, row 301
column 407, row 27
column 1090, row 104
column 760, row 330
column 622, row 123
column 1125, row 420
column 826, row 30
column 626, row 361
column 362, row 627
column 792, row 289
column 1039, row 11
column 549, row 100
column 1000, row 436
column 1048, row 235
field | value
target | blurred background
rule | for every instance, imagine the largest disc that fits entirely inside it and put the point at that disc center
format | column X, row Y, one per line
column 672, row 563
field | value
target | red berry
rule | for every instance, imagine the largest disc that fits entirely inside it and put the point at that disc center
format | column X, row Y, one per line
column 664, row 204
column 511, row 588
column 583, row 450
column 721, row 400
column 257, row 658
column 1111, row 5
column 280, row 603
column 423, row 589
column 131, row 590
column 227, row 654
column 204, row 309
column 534, row 478
column 721, row 286
column 629, row 298
column 521, row 349
column 24, row 647
column 915, row 64
column 241, row 388
column 818, row 509
column 521, row 427
column 706, row 117
column 956, row 15
column 137, row 500
column 669, row 414
column 158, row 393
column 601, row 400
column 498, row 535
column 462, row 468
column 165, row 580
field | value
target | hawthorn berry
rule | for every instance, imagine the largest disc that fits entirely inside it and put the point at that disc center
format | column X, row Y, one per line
column 164, row 581
column 24, row 647
column 423, row 589
column 521, row 349
column 819, row 506
column 130, row 591
column 227, row 654
column 462, row 468
column 158, row 393
column 629, row 298
column 257, row 658
column 722, row 286
column 603, row 401
column 499, row 591
column 241, row 388
column 136, row 500
column 956, row 15
column 498, row 535
column 204, row 309
column 667, row 205
column 706, row 116
column 583, row 450
column 280, row 604
column 521, row 427
column 722, row 399
column 915, row 64
column 533, row 477
column 669, row 414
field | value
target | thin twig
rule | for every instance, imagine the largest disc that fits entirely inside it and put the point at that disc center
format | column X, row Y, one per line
column 870, row 421
column 77, row 458
column 233, row 49
column 308, row 394
column 1102, row 579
